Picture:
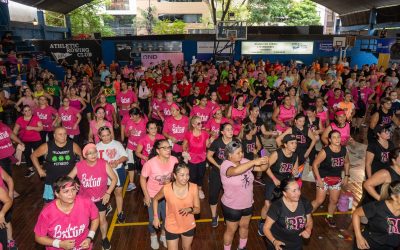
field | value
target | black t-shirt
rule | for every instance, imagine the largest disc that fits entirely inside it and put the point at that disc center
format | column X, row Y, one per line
column 218, row 147
column 193, row 100
column 258, row 123
column 382, row 230
column 381, row 156
column 59, row 161
column 248, row 147
column 278, row 97
column 308, row 101
column 333, row 163
column 312, row 125
column 288, row 225
column 269, row 106
column 303, row 142
column 283, row 167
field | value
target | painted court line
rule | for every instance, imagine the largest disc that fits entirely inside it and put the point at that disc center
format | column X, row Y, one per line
column 145, row 223
column 114, row 219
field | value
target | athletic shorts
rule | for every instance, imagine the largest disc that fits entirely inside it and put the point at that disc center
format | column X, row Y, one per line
column 326, row 186
column 234, row 215
column 121, row 176
column 172, row 236
column 48, row 193
column 100, row 206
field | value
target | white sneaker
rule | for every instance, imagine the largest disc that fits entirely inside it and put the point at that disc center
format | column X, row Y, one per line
column 131, row 186
column 154, row 242
column 163, row 239
column 201, row 194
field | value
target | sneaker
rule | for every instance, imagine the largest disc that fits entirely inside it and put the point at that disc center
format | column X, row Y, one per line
column 201, row 194
column 330, row 221
column 154, row 242
column 121, row 217
column 214, row 221
column 11, row 245
column 106, row 244
column 109, row 209
column 260, row 229
column 29, row 173
column 163, row 239
column 131, row 187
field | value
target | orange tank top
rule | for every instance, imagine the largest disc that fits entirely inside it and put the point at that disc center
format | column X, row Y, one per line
column 175, row 222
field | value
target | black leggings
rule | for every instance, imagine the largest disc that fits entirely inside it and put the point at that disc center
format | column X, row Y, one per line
column 196, row 172
column 6, row 165
column 44, row 134
column 29, row 148
column 214, row 186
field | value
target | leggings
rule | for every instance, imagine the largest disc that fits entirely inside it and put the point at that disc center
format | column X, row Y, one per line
column 29, row 148
column 196, row 172
column 214, row 186
column 45, row 134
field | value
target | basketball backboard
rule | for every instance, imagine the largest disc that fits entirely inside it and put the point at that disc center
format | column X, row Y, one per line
column 231, row 30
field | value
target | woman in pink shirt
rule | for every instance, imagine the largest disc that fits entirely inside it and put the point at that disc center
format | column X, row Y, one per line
column 322, row 112
column 26, row 99
column 98, row 122
column 340, row 124
column 111, row 115
column 157, row 172
column 284, row 114
column 64, row 222
column 70, row 119
column 126, row 99
column 28, row 128
column 48, row 115
column 202, row 110
column 237, row 113
column 195, row 146
column 93, row 174
column 165, row 107
column 133, row 127
column 155, row 107
column 237, row 181
column 145, row 144
column 6, row 147
column 214, row 123
column 175, row 128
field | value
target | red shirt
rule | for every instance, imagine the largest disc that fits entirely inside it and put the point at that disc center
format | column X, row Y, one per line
column 150, row 82
column 168, row 79
column 224, row 92
column 179, row 75
column 202, row 86
column 184, row 89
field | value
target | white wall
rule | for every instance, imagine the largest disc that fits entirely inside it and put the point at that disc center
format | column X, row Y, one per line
column 22, row 13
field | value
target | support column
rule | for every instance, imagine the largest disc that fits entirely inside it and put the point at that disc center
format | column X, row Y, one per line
column 69, row 26
column 372, row 21
column 338, row 25
column 4, row 16
column 42, row 24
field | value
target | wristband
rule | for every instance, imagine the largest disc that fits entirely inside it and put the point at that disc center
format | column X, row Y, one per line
column 56, row 243
column 91, row 235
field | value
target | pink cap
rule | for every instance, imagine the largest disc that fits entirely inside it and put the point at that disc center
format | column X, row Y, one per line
column 215, row 110
column 87, row 148
column 340, row 112
column 175, row 106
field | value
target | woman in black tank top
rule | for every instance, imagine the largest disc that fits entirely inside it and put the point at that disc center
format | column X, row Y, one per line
column 376, row 186
column 327, row 168
column 250, row 142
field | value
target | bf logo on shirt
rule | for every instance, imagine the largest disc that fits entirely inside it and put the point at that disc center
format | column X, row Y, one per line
column 295, row 223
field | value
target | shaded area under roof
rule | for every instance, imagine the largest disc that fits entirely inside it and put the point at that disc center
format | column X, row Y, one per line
column 343, row 7
column 60, row 6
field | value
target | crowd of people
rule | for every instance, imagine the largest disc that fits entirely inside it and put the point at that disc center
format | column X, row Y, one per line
column 173, row 125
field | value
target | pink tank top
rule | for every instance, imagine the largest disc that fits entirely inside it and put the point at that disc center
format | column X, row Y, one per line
column 237, row 117
column 323, row 115
column 75, row 104
column 344, row 133
column 285, row 115
column 30, row 102
column 93, row 179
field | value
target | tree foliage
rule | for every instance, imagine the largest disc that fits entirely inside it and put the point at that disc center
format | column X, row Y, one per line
column 289, row 12
column 148, row 19
column 54, row 19
column 166, row 27
column 303, row 13
column 89, row 19
column 268, row 11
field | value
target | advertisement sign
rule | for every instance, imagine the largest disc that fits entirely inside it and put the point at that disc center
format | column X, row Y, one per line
column 277, row 48
column 156, row 58
column 384, row 45
column 208, row 47
column 326, row 46
column 70, row 50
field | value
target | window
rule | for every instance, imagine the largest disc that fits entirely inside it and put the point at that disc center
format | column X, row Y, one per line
column 187, row 18
column 118, row 5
